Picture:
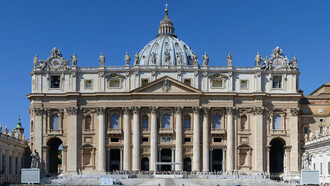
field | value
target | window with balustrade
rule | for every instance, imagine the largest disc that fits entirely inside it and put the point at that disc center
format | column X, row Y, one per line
column 277, row 122
column 114, row 121
column 187, row 121
column 217, row 121
column 166, row 121
column 55, row 122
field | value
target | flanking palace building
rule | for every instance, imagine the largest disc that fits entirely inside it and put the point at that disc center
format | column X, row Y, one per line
column 166, row 106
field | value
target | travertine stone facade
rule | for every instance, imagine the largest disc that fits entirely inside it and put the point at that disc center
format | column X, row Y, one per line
column 165, row 107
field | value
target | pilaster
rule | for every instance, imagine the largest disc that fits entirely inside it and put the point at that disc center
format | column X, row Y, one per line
column 206, row 142
column 196, row 141
column 101, row 146
column 72, row 142
column 136, row 139
column 127, row 139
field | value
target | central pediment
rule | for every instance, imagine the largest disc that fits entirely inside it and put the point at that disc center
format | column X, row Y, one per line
column 166, row 85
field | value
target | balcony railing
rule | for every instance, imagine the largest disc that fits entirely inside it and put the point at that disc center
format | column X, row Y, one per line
column 278, row 132
column 218, row 131
column 55, row 131
column 188, row 130
column 114, row 131
column 166, row 130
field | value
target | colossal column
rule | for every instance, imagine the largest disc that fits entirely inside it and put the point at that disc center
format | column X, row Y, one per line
column 294, row 153
column 136, row 139
column 127, row 139
column 206, row 155
column 72, row 142
column 153, row 139
column 259, row 139
column 196, row 141
column 101, row 146
column 230, row 140
column 178, row 139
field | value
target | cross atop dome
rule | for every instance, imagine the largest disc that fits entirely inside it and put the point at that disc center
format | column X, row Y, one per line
column 166, row 25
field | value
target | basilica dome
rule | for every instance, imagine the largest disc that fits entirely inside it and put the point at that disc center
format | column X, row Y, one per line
column 166, row 48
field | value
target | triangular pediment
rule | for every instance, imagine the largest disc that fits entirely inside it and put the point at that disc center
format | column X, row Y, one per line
column 166, row 85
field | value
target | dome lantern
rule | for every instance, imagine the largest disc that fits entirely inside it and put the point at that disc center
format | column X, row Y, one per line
column 166, row 26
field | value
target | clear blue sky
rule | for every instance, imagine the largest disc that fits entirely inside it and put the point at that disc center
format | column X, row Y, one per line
column 88, row 28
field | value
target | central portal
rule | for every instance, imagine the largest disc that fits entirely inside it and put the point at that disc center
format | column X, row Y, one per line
column 166, row 156
column 216, row 160
column 114, row 163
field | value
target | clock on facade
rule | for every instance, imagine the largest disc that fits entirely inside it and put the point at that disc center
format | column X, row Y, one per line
column 55, row 62
column 277, row 63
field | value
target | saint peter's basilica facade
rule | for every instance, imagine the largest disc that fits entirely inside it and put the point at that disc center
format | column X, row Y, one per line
column 165, row 106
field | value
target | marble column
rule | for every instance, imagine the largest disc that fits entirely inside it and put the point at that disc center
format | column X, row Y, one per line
column 178, row 139
column 259, row 139
column 72, row 142
column 206, row 142
column 268, row 160
column 294, row 152
column 101, row 146
column 230, row 140
column 224, row 160
column 127, row 140
column 172, row 156
column 153, row 139
column 121, row 159
column 136, row 140
column 196, row 141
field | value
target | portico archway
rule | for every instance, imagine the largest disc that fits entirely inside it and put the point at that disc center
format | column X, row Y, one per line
column 276, row 156
column 54, row 155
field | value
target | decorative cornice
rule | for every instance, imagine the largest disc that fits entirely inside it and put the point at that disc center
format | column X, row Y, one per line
column 72, row 110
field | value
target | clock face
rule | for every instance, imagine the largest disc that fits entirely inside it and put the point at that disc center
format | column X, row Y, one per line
column 55, row 63
column 277, row 63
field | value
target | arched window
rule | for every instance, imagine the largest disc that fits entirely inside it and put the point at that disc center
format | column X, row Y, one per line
column 187, row 122
column 145, row 122
column 166, row 121
column 277, row 122
column 217, row 121
column 55, row 123
column 88, row 120
column 114, row 121
column 244, row 122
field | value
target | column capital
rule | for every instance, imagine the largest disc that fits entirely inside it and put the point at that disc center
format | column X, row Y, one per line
column 294, row 111
column 65, row 148
column 178, row 110
column 206, row 110
column 230, row 110
column 126, row 110
column 72, row 110
column 100, row 110
column 258, row 110
column 153, row 109
column 38, row 111
column 196, row 109
column 136, row 110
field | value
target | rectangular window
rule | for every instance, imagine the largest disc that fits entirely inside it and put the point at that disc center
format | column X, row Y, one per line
column 305, row 130
column 145, row 123
column 217, row 83
column 329, row 168
column 187, row 82
column 114, row 139
column 321, row 172
column 187, row 140
column 55, row 81
column 277, row 82
column 88, row 84
column 114, row 83
column 277, row 125
column 144, row 82
column 244, row 84
column 145, row 139
column 217, row 139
